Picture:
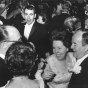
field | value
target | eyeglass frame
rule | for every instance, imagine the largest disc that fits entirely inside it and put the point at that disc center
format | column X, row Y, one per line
column 19, row 40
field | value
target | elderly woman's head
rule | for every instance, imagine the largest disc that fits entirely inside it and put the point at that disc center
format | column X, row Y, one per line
column 20, row 58
column 86, row 23
column 42, row 18
column 60, row 43
column 72, row 23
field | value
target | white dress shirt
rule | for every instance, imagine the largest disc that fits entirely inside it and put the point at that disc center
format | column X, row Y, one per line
column 27, row 30
column 77, row 68
column 2, row 56
column 79, row 61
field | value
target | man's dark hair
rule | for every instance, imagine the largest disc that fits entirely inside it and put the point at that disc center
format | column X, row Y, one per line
column 85, row 38
column 30, row 7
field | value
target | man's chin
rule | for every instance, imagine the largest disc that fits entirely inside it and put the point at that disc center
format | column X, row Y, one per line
column 74, row 54
column 29, row 23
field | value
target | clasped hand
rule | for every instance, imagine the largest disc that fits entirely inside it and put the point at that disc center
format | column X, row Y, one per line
column 48, row 75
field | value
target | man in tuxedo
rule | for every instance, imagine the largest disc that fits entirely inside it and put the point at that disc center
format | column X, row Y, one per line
column 8, row 35
column 79, row 77
column 32, row 31
column 58, row 20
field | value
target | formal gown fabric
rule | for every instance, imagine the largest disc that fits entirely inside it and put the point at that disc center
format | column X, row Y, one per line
column 61, row 78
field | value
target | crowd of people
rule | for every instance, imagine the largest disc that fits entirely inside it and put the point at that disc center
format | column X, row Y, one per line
column 43, row 44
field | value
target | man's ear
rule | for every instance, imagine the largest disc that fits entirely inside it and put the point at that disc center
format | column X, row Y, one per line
column 6, row 45
column 35, row 15
column 67, row 49
column 86, row 48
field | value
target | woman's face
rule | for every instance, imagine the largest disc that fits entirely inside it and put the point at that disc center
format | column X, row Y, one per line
column 59, row 49
column 40, row 19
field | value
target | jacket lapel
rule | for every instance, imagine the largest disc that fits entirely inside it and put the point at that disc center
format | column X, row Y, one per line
column 32, row 30
column 22, row 28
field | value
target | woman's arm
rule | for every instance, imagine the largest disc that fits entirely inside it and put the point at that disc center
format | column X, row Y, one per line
column 48, row 73
column 62, row 78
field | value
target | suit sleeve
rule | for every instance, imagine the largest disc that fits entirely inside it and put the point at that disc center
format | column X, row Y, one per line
column 43, row 42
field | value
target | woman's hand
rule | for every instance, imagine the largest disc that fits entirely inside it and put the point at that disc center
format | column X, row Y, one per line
column 41, row 64
column 48, row 75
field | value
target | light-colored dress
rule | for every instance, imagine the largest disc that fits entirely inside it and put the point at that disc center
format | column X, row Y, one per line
column 61, row 80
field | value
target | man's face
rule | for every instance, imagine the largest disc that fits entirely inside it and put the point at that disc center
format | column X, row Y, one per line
column 78, row 48
column 29, row 16
column 13, row 35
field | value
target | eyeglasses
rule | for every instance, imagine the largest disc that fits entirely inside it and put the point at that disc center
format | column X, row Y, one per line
column 19, row 40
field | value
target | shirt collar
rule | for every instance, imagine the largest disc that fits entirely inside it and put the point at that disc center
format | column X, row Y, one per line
column 2, row 56
column 79, row 61
column 30, row 24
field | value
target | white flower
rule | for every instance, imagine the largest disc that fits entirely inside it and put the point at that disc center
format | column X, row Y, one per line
column 77, row 69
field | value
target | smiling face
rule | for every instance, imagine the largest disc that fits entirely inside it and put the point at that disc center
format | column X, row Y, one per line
column 78, row 48
column 29, row 16
column 59, row 49
column 40, row 20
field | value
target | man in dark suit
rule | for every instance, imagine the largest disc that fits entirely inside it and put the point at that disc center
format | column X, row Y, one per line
column 58, row 20
column 8, row 35
column 32, row 31
column 79, row 77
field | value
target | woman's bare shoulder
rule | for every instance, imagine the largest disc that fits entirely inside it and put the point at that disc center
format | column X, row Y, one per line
column 50, row 57
column 26, row 84
column 70, row 58
column 34, row 84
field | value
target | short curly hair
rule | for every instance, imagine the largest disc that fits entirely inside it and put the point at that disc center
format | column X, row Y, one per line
column 72, row 23
column 20, row 58
column 61, row 36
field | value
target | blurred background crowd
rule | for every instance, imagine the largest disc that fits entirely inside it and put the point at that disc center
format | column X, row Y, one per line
column 42, row 22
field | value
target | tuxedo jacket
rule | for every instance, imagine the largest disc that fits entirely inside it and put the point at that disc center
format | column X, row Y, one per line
column 80, row 80
column 38, row 35
column 57, row 21
column 5, row 74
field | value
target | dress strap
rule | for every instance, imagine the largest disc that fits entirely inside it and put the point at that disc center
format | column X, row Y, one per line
column 39, row 78
column 41, row 83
